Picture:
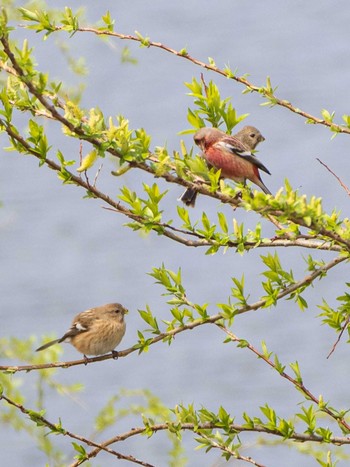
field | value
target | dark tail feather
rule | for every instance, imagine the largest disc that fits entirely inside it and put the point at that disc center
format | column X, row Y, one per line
column 257, row 180
column 48, row 344
column 189, row 197
column 265, row 189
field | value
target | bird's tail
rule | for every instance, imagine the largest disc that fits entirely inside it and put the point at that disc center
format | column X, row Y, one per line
column 48, row 344
column 189, row 197
column 264, row 188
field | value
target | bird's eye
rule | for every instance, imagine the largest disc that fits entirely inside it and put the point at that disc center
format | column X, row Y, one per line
column 252, row 135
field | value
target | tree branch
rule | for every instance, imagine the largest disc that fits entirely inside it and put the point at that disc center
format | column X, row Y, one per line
column 198, row 428
column 298, row 384
column 167, row 229
column 233, row 453
column 203, row 189
column 57, row 429
column 336, row 176
column 265, row 92
column 307, row 280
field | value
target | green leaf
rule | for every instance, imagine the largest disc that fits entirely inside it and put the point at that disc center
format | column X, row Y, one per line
column 88, row 161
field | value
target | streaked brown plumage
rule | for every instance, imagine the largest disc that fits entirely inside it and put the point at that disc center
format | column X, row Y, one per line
column 95, row 331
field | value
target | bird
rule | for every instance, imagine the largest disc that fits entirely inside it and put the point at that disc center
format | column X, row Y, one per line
column 232, row 154
column 96, row 331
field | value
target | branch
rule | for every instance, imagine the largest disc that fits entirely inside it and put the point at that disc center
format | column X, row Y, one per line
column 298, row 384
column 233, row 453
column 302, row 241
column 345, row 325
column 265, row 92
column 121, row 353
column 307, row 280
column 336, row 176
column 167, row 230
column 57, row 429
column 198, row 428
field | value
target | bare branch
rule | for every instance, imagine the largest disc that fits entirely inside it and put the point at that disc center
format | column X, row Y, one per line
column 345, row 325
column 335, row 175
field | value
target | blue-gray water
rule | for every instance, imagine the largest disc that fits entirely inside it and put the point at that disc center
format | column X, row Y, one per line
column 61, row 254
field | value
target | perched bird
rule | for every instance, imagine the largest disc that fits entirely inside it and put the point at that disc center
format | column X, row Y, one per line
column 96, row 331
column 232, row 154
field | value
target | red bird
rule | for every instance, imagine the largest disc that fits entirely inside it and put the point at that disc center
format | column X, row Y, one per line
column 231, row 154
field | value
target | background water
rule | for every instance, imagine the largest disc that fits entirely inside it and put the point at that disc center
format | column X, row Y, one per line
column 61, row 254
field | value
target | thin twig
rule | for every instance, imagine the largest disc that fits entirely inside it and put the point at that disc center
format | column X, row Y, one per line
column 235, row 454
column 335, row 175
column 339, row 337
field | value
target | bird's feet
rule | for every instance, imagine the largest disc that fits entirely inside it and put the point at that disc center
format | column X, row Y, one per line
column 115, row 354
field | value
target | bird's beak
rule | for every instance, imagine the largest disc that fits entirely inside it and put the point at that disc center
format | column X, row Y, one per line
column 125, row 311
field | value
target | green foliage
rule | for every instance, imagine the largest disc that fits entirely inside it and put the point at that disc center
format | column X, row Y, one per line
column 328, row 462
column 297, row 221
column 146, row 211
column 130, row 403
column 337, row 318
column 16, row 350
column 211, row 108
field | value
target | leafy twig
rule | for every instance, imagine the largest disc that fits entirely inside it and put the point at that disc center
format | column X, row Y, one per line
column 307, row 280
column 266, row 92
column 297, row 383
column 58, row 429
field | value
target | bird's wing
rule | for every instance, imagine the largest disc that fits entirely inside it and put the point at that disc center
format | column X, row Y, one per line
column 234, row 145
column 239, row 149
column 81, row 323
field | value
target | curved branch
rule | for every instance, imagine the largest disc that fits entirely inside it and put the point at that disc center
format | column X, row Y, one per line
column 265, row 92
column 196, row 428
column 121, row 353
column 298, row 384
column 57, row 429
column 307, row 280
column 267, row 213
column 167, row 229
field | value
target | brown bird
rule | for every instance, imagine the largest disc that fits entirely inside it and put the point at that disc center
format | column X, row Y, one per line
column 95, row 331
